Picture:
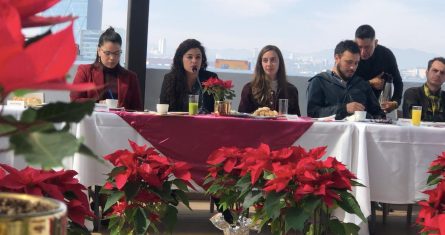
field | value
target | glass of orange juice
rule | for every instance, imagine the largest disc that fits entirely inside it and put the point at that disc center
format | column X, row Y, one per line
column 416, row 114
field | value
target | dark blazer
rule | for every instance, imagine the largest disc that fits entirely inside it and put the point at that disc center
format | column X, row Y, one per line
column 129, row 92
column 415, row 96
column 248, row 104
column 328, row 95
column 177, row 99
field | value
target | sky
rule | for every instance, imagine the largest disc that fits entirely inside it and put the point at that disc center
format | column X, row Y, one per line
column 301, row 26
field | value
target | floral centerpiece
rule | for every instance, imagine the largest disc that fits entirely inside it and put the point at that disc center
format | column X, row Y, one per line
column 60, row 185
column 222, row 93
column 144, row 189
column 291, row 189
column 431, row 216
column 219, row 89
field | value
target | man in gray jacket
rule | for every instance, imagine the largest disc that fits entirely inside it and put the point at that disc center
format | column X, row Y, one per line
column 339, row 92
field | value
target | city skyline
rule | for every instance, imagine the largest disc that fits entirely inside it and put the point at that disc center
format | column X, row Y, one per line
column 300, row 26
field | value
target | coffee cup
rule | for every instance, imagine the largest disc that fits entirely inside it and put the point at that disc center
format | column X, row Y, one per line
column 360, row 115
column 162, row 108
column 111, row 103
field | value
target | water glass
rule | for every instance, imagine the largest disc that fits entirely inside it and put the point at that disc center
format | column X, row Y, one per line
column 283, row 106
column 193, row 104
column 416, row 115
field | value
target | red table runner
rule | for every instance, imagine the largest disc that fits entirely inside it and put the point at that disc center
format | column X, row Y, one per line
column 193, row 138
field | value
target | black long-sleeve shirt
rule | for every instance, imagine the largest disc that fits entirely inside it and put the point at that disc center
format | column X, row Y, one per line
column 382, row 60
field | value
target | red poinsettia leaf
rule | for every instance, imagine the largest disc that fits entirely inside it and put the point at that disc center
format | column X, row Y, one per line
column 34, row 21
column 108, row 185
column 181, row 170
column 229, row 165
column 2, row 173
column 31, row 7
column 10, row 32
column 318, row 152
column 48, row 60
column 51, row 191
column 121, row 179
column 78, row 211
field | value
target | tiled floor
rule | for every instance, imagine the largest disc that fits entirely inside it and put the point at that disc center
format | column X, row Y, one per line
column 197, row 222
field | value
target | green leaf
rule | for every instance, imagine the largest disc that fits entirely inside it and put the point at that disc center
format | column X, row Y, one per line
column 170, row 217
column 310, row 203
column 336, row 227
column 46, row 149
column 117, row 170
column 356, row 183
column 272, row 205
column 83, row 149
column 251, row 198
column 183, row 197
column 140, row 221
column 65, row 112
column 28, row 116
column 180, row 184
column 433, row 179
column 296, row 218
column 21, row 92
column 351, row 228
column 112, row 199
column 348, row 203
column 131, row 189
column 6, row 128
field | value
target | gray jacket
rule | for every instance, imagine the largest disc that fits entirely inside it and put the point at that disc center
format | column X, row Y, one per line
column 328, row 95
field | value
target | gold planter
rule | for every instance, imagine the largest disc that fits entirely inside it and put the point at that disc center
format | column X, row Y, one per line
column 48, row 222
column 223, row 107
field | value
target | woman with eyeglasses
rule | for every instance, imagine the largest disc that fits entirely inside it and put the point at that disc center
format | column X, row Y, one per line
column 187, row 73
column 269, row 84
column 112, row 80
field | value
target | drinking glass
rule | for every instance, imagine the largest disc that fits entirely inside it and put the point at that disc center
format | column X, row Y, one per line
column 193, row 104
column 282, row 106
column 416, row 115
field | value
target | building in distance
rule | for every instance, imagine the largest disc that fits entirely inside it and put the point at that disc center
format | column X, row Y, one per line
column 232, row 64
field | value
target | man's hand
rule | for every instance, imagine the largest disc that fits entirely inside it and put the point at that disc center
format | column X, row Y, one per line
column 377, row 82
column 354, row 106
column 388, row 106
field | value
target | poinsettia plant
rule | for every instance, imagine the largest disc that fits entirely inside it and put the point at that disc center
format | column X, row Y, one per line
column 431, row 216
column 41, row 62
column 143, row 190
column 60, row 185
column 291, row 189
column 219, row 89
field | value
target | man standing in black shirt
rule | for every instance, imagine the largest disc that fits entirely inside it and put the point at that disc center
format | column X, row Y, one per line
column 376, row 63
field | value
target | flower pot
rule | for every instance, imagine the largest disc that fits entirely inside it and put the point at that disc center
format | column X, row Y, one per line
column 223, row 107
column 47, row 216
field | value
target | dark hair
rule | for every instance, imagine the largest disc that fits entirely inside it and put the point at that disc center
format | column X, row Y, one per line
column 260, row 85
column 365, row 32
column 178, row 66
column 440, row 59
column 108, row 36
column 179, row 87
column 346, row 45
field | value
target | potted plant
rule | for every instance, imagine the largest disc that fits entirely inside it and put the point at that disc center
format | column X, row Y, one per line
column 431, row 216
column 291, row 189
column 222, row 93
column 143, row 190
column 42, row 135
column 60, row 185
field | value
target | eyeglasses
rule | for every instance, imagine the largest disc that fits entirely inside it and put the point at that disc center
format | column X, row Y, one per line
column 109, row 53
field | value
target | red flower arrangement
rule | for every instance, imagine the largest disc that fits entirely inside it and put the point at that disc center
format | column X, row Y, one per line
column 219, row 89
column 60, row 185
column 290, row 188
column 432, row 213
column 140, row 192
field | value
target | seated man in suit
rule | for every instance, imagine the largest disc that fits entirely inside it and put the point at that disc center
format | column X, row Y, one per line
column 339, row 92
column 430, row 95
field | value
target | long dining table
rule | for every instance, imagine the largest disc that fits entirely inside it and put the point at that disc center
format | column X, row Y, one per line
column 390, row 160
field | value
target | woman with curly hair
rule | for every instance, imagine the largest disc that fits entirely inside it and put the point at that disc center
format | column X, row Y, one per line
column 187, row 73
column 269, row 84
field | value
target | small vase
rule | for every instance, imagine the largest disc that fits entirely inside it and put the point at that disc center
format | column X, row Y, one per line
column 50, row 217
column 223, row 107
